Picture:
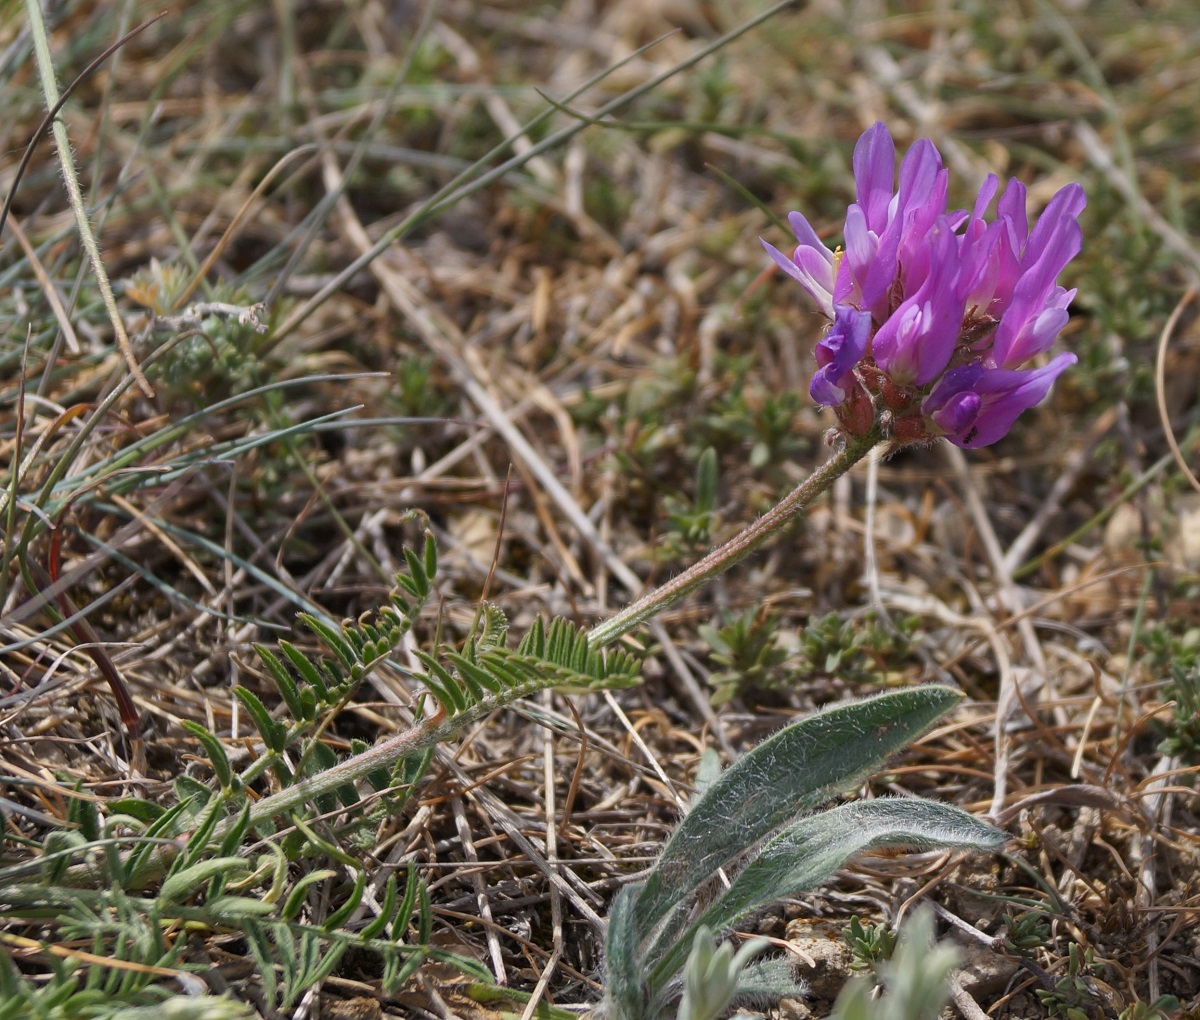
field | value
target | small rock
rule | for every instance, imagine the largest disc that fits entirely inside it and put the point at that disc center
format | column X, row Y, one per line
column 822, row 957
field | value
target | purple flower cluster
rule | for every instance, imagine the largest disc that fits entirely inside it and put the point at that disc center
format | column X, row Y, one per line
column 933, row 312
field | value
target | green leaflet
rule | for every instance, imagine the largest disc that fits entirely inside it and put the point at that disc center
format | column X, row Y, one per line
column 553, row 656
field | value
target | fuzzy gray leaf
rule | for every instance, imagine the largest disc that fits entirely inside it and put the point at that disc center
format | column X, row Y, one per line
column 792, row 771
column 810, row 851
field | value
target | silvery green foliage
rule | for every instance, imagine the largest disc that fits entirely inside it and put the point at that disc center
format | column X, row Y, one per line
column 748, row 817
column 915, row 981
column 708, row 771
column 183, row 1007
column 710, row 977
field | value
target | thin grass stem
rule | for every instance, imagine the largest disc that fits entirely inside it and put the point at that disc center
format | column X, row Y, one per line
column 41, row 48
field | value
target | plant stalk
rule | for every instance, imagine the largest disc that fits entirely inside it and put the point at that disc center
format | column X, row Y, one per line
column 433, row 730
column 741, row 545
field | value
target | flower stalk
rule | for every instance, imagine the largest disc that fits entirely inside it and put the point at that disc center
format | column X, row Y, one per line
column 741, row 545
column 934, row 317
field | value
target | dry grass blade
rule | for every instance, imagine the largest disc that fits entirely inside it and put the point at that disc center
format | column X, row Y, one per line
column 1160, row 363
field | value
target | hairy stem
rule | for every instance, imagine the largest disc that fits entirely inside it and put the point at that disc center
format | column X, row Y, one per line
column 741, row 545
column 439, row 727
column 425, row 734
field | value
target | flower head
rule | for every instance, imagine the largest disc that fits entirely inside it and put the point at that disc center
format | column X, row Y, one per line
column 934, row 313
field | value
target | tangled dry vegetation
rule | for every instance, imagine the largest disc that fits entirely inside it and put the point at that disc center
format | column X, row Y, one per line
column 537, row 365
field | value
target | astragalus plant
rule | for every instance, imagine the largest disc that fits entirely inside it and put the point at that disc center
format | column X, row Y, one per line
column 935, row 317
column 755, row 818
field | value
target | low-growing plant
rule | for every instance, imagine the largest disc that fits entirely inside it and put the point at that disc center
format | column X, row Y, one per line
column 746, row 649
column 1161, row 1008
column 1026, row 931
column 912, row 982
column 1175, row 659
column 870, row 944
column 91, row 873
column 829, row 643
column 691, row 521
column 1074, row 995
column 762, row 424
column 756, row 818
column 205, row 896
